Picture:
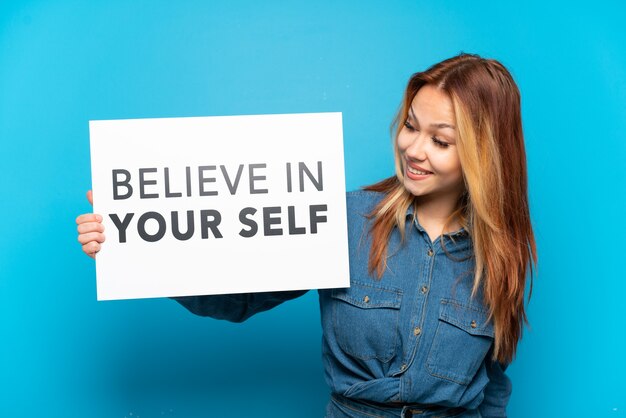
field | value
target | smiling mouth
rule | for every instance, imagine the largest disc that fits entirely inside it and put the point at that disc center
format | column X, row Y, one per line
column 414, row 170
column 421, row 173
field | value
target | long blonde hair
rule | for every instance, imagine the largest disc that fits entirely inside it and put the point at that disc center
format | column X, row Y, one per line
column 494, row 209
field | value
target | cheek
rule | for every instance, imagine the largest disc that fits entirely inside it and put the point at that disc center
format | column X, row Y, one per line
column 450, row 165
column 456, row 172
column 402, row 142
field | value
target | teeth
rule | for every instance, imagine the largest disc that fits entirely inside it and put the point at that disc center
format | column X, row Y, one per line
column 414, row 171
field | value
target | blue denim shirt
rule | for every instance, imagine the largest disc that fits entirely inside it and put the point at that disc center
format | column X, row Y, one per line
column 413, row 336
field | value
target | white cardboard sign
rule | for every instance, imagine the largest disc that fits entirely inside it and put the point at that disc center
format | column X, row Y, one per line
column 215, row 205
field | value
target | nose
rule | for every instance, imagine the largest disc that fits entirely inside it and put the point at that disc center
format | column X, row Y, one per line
column 417, row 148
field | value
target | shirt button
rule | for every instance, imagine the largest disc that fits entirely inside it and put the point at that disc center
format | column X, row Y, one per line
column 424, row 289
column 417, row 331
column 403, row 367
column 430, row 252
column 366, row 299
column 473, row 324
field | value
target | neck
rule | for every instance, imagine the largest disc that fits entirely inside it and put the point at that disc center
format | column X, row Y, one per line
column 432, row 214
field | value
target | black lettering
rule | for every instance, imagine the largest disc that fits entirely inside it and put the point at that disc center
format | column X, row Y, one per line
column 254, row 178
column 318, row 183
column 141, row 226
column 291, row 215
column 121, row 225
column 206, row 224
column 176, row 230
column 269, row 220
column 143, row 182
column 188, row 177
column 315, row 219
column 248, row 222
column 167, row 185
column 232, row 188
column 288, row 177
column 202, row 180
column 117, row 183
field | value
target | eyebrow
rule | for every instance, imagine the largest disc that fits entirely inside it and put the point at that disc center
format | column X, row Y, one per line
column 432, row 125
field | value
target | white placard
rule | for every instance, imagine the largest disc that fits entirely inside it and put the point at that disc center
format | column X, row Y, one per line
column 265, row 195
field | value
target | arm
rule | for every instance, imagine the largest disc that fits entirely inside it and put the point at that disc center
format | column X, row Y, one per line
column 236, row 307
column 497, row 391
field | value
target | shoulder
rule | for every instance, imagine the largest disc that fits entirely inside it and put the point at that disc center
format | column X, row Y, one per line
column 359, row 205
column 362, row 202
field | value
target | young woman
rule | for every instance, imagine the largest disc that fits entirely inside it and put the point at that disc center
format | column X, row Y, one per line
column 439, row 254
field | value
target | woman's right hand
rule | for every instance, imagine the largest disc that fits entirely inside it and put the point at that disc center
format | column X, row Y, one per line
column 90, row 230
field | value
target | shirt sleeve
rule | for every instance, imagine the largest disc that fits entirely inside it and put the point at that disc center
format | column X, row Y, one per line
column 236, row 307
column 497, row 391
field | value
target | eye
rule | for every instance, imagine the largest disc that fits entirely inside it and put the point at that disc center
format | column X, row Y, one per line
column 440, row 143
column 408, row 126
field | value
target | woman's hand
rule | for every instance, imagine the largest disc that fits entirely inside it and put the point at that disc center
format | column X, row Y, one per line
column 90, row 230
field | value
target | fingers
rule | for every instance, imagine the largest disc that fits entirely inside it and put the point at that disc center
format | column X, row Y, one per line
column 91, row 248
column 88, row 217
column 90, row 197
column 91, row 236
column 90, row 227
column 90, row 231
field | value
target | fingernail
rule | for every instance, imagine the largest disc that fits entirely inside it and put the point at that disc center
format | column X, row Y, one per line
column 99, row 218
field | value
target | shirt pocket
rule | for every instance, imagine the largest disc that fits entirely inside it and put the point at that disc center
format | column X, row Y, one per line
column 365, row 320
column 462, row 339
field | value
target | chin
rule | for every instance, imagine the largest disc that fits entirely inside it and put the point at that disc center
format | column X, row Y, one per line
column 411, row 188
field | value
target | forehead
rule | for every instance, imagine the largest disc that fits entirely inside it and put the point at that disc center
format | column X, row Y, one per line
column 432, row 105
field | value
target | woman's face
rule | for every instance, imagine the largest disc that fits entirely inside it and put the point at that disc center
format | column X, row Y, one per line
column 427, row 145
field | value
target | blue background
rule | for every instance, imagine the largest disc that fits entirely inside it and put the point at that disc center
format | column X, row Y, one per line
column 62, row 63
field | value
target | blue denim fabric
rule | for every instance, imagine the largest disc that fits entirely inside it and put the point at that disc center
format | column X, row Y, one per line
column 341, row 407
column 413, row 336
